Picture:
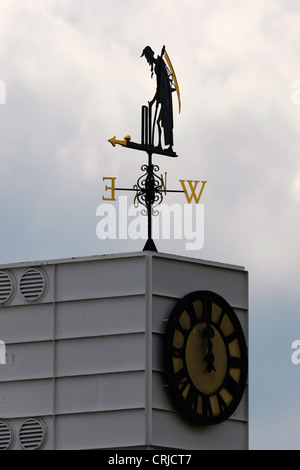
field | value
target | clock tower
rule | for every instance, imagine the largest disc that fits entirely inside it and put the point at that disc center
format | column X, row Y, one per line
column 141, row 350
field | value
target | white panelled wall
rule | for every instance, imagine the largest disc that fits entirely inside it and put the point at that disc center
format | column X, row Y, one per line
column 84, row 359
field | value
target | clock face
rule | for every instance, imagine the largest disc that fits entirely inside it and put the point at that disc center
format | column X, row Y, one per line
column 205, row 357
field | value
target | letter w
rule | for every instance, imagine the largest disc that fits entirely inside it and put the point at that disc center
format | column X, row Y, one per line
column 193, row 190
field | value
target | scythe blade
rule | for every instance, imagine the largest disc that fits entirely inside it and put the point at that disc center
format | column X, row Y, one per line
column 174, row 78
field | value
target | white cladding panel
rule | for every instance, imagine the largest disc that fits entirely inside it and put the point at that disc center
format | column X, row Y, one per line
column 22, row 323
column 26, row 398
column 32, row 360
column 107, row 277
column 87, row 355
column 105, row 316
column 177, row 277
column 102, row 392
column 171, row 430
column 101, row 354
column 100, row 430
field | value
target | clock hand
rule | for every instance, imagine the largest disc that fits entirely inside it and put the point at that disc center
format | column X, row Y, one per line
column 209, row 333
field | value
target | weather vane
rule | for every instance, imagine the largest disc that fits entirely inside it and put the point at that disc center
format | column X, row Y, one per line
column 156, row 138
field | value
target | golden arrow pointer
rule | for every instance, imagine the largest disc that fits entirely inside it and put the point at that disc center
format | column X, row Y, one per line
column 124, row 142
column 127, row 142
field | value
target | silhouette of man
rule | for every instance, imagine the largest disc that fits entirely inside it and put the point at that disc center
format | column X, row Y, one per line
column 162, row 97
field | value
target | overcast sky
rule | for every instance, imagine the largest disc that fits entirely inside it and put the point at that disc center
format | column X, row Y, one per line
column 74, row 78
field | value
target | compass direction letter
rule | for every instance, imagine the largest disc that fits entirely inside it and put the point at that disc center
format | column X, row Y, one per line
column 193, row 190
column 111, row 188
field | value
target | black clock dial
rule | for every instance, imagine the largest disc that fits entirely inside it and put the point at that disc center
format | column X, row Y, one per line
column 205, row 357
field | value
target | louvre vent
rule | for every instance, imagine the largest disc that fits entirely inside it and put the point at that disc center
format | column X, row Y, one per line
column 6, row 286
column 5, row 436
column 33, row 284
column 32, row 434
